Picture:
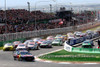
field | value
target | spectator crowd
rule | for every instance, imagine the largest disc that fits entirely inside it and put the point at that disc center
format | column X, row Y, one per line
column 17, row 19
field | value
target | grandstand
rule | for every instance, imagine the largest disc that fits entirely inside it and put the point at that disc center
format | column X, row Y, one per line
column 17, row 20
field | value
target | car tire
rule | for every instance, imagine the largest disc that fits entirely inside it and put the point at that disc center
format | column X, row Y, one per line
column 51, row 47
column 14, row 58
column 20, row 59
column 37, row 47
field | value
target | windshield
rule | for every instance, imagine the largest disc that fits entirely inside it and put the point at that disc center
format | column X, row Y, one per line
column 58, row 35
column 25, row 53
column 86, row 42
column 21, row 45
column 56, row 40
column 31, row 44
column 46, row 42
column 8, row 44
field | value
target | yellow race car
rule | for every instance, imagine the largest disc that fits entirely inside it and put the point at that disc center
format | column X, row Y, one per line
column 8, row 47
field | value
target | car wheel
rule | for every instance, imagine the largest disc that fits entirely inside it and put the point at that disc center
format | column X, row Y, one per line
column 20, row 59
column 37, row 47
column 50, row 46
column 14, row 58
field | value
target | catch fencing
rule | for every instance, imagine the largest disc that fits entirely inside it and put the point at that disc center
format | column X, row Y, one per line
column 39, row 33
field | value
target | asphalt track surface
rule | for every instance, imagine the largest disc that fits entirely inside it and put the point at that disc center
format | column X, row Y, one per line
column 6, row 60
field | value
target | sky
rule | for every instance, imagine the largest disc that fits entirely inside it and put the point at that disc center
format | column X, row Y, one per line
column 13, row 3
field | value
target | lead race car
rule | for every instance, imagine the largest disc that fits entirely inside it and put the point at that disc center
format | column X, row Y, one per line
column 21, row 55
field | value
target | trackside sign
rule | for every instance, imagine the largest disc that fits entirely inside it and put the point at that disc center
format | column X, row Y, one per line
column 67, row 47
column 86, row 50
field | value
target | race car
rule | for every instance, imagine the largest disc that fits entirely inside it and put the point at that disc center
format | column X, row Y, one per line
column 87, row 44
column 65, row 37
column 15, row 44
column 46, row 44
column 27, row 42
column 50, row 38
column 36, row 39
column 57, row 42
column 32, row 45
column 21, row 46
column 8, row 47
column 70, row 36
column 40, row 41
column 79, row 34
column 23, row 55
column 58, row 36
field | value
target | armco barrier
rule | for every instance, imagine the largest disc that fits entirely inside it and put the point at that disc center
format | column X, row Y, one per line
column 67, row 47
column 39, row 33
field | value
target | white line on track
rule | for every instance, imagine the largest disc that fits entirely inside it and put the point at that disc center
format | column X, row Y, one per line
column 49, row 52
column 64, row 63
column 90, row 63
column 48, row 61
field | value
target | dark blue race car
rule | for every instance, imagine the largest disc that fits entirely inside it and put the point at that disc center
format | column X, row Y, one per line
column 23, row 55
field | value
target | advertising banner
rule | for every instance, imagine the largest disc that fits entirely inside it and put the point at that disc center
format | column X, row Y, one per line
column 86, row 50
column 67, row 47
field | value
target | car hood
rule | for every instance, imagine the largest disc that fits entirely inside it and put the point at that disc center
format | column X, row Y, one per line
column 7, row 46
column 27, row 55
column 30, row 45
column 55, row 42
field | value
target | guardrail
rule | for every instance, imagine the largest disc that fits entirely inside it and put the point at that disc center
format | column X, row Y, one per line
column 69, row 48
column 29, row 34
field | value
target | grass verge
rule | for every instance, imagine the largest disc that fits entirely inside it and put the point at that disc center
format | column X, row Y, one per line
column 71, row 56
column 1, row 48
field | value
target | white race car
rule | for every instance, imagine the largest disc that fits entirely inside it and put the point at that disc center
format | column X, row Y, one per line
column 36, row 39
column 21, row 46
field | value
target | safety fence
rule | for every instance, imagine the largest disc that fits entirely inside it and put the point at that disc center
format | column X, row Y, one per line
column 39, row 33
